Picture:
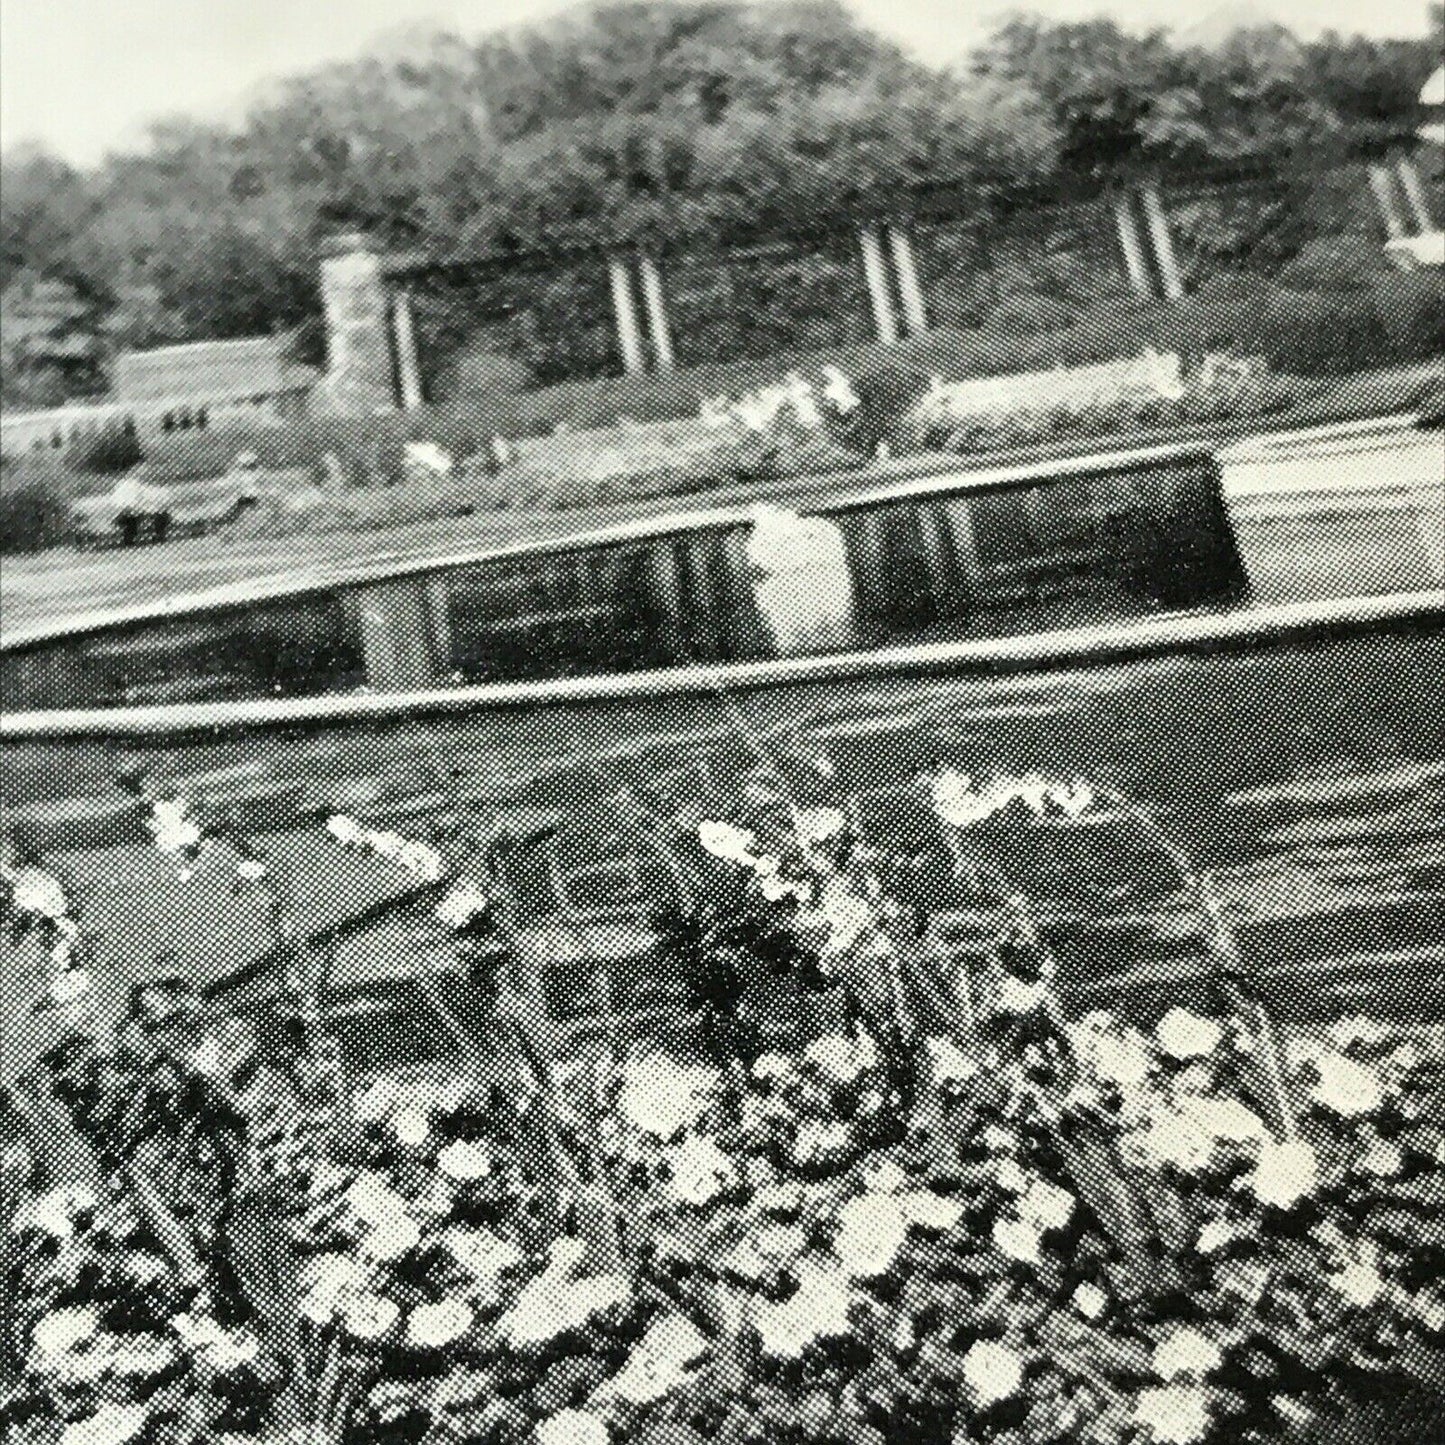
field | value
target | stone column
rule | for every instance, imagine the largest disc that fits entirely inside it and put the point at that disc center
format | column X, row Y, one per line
column 396, row 634
column 358, row 379
column 875, row 273
column 624, row 308
column 1382, row 185
column 910, row 291
column 408, row 366
column 1415, row 194
column 1135, row 266
column 654, row 301
column 1163, row 242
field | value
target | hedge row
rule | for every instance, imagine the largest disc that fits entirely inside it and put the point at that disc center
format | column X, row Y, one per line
column 1324, row 330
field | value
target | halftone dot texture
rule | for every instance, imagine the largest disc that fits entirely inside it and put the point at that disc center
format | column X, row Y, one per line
column 453, row 1204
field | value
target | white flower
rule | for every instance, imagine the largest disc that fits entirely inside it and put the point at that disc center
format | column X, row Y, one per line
column 822, row 1143
column 1185, row 1035
column 1347, row 1087
column 883, row 1176
column 1123, row 1058
column 571, row 1427
column 1186, row 1353
column 372, row 1199
column 929, row 1211
column 553, row 1305
column 1383, row 1158
column 662, row 1097
column 1018, row 1238
column 660, row 1362
column 723, row 840
column 1090, row 1301
column 1225, row 1119
column 818, row 1310
column 776, row 888
column 110, row 1425
column 1017, row 997
column 872, row 1230
column 250, row 870
column 1285, row 1173
column 464, row 1161
column 172, row 829
column 347, row 831
column 464, row 901
column 55, row 1211
column 64, row 1329
column 391, row 1237
column 1174, row 1414
column 701, row 1172
column 424, row 861
column 770, row 1068
column 222, row 1349
column 484, row 1255
column 326, row 1281
column 376, row 1102
column 1214, row 1234
column 435, row 1326
column 1172, row 1137
column 992, row 1372
column 1048, row 1206
column 1009, row 1175
column 840, row 1059
column 1360, row 1280
column 959, row 803
column 949, row 1064
column 840, row 914
column 34, row 891
column 411, row 1127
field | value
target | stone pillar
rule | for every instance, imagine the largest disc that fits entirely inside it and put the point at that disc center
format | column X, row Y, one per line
column 358, row 378
column 1382, row 185
column 875, row 273
column 910, row 291
column 1162, row 241
column 408, row 366
column 654, row 301
column 624, row 309
column 396, row 634
column 1135, row 266
column 1415, row 194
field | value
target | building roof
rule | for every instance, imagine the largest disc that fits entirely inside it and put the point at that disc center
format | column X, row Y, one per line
column 209, row 371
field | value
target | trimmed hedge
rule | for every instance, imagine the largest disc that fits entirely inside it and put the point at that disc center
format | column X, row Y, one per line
column 1344, row 323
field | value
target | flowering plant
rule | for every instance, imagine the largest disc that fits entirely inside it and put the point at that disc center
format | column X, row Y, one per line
column 931, row 1203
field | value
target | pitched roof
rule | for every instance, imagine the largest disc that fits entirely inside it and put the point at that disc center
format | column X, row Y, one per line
column 209, row 371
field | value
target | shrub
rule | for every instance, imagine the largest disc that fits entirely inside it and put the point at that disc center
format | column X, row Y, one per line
column 34, row 515
column 102, row 453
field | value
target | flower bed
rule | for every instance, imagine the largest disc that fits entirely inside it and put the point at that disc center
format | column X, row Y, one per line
column 954, row 1213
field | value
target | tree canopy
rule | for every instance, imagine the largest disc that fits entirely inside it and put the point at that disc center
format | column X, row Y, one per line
column 636, row 122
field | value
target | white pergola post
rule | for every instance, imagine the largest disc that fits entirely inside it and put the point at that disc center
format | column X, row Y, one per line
column 910, row 292
column 875, row 273
column 1383, row 187
column 1414, row 194
column 624, row 308
column 1135, row 266
column 408, row 367
column 654, row 302
column 1162, row 241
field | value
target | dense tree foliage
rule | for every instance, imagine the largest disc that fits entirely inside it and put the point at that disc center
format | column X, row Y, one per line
column 679, row 124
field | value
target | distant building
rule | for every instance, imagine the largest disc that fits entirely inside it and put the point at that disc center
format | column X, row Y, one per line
column 214, row 378
column 197, row 385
